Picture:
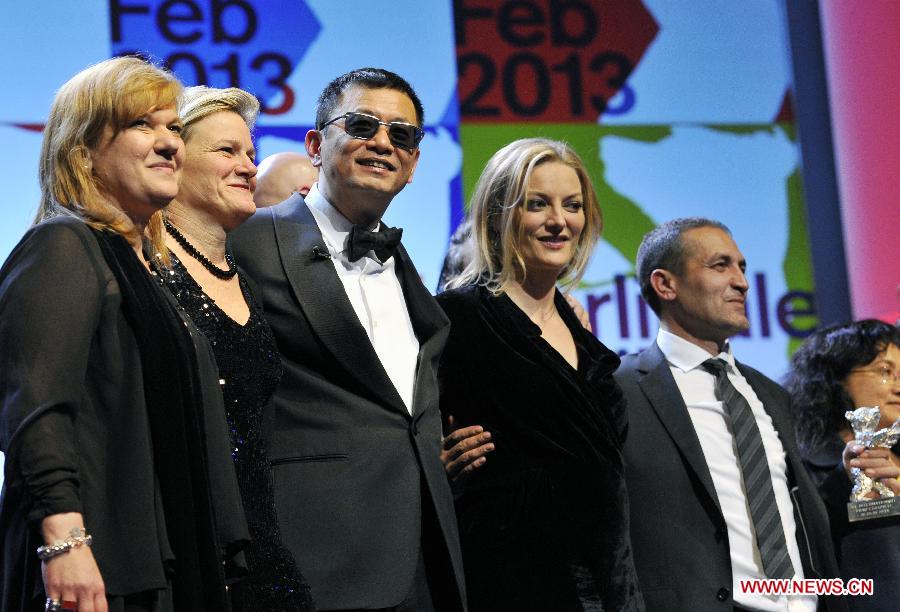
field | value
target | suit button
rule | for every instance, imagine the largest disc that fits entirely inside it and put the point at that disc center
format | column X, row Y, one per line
column 722, row 595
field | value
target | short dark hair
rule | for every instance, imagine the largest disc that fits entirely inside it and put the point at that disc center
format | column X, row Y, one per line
column 818, row 370
column 663, row 248
column 370, row 78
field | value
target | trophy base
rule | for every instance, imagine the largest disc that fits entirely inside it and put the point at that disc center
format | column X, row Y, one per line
column 873, row 509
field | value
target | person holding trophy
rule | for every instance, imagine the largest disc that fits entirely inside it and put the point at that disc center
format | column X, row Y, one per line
column 839, row 369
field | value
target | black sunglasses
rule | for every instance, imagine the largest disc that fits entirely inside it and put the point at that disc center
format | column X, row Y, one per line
column 358, row 125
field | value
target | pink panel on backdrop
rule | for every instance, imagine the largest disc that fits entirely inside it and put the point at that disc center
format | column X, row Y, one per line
column 862, row 54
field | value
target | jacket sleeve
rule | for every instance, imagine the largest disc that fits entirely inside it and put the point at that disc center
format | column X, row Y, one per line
column 50, row 301
column 835, row 491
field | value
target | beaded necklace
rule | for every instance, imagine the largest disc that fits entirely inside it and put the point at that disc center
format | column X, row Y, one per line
column 193, row 252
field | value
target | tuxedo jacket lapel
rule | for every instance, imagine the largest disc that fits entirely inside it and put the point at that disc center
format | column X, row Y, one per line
column 426, row 316
column 658, row 385
column 322, row 298
column 429, row 322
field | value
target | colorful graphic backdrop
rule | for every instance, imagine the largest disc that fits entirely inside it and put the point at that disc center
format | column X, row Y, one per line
column 678, row 109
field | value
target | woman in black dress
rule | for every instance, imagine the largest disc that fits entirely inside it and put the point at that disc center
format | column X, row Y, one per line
column 837, row 369
column 110, row 413
column 216, row 196
column 544, row 521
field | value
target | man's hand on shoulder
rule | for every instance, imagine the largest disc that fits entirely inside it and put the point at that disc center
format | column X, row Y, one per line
column 580, row 312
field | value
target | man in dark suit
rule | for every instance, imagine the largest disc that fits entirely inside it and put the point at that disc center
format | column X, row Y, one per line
column 355, row 432
column 706, row 512
column 697, row 529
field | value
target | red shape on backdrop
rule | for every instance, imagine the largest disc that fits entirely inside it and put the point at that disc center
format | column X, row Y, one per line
column 786, row 111
column 547, row 60
column 29, row 127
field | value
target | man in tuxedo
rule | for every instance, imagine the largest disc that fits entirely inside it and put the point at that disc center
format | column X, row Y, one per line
column 354, row 433
column 717, row 490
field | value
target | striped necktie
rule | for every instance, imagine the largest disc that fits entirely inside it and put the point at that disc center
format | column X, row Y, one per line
column 757, row 477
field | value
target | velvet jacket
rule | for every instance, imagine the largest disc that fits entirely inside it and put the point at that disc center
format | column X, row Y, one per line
column 544, row 523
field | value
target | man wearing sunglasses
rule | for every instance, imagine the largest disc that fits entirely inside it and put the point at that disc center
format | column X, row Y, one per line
column 354, row 431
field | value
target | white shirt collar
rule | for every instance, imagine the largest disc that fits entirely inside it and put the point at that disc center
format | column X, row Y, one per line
column 335, row 227
column 685, row 355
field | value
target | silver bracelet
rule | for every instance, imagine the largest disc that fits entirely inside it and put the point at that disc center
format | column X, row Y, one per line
column 77, row 537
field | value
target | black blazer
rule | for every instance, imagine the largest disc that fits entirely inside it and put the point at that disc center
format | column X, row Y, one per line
column 680, row 540
column 356, row 477
column 73, row 419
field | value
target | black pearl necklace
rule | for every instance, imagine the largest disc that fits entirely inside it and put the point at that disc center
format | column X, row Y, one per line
column 193, row 252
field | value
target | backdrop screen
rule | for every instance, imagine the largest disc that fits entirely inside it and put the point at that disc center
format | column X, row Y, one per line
column 678, row 109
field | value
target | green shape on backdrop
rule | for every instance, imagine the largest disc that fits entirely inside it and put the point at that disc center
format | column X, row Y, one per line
column 624, row 219
column 798, row 272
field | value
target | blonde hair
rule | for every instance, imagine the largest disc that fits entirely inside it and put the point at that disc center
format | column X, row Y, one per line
column 111, row 93
column 495, row 215
column 201, row 101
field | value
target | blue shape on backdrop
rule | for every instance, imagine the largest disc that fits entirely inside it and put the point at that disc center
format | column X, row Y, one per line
column 221, row 43
column 294, row 132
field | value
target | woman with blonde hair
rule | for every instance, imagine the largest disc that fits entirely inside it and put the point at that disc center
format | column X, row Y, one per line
column 118, row 494
column 544, row 520
column 216, row 196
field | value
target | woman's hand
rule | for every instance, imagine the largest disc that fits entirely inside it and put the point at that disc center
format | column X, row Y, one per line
column 73, row 575
column 877, row 463
column 893, row 482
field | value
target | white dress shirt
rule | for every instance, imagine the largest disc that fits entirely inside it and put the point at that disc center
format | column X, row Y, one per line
column 707, row 414
column 377, row 298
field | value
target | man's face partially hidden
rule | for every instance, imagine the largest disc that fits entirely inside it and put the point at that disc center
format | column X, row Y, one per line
column 361, row 177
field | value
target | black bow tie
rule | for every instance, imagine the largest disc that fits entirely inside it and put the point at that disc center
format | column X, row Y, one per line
column 384, row 242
